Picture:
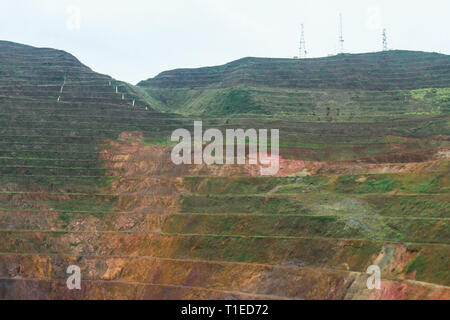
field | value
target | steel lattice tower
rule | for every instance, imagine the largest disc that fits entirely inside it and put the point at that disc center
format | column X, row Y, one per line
column 385, row 45
column 341, row 36
column 302, row 50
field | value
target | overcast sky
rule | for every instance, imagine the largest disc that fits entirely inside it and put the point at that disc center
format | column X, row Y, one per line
column 133, row 40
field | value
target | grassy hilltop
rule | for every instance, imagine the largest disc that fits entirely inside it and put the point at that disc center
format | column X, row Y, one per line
column 339, row 88
column 56, row 112
column 387, row 70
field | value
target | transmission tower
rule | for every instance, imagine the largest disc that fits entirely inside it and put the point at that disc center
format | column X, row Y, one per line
column 385, row 45
column 302, row 50
column 341, row 36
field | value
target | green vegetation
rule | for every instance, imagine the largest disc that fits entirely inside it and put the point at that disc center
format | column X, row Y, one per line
column 368, row 134
column 372, row 71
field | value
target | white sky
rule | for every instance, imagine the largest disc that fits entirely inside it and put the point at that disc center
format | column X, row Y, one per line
column 133, row 40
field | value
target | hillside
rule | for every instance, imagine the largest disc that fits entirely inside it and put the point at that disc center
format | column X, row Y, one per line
column 343, row 88
column 56, row 111
column 389, row 70
column 23, row 64
column 87, row 179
